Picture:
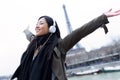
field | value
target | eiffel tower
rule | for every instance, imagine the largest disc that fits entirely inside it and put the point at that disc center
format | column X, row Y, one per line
column 70, row 27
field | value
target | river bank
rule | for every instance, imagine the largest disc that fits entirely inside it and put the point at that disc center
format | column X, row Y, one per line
column 71, row 72
column 102, row 76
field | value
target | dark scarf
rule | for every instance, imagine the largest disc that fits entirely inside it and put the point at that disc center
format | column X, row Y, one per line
column 40, row 67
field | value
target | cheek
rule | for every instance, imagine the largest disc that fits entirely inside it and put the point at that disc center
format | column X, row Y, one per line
column 45, row 30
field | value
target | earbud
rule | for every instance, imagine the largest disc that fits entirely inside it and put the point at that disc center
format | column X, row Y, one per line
column 52, row 28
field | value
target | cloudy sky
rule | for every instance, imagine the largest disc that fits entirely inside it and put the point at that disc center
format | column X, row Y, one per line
column 16, row 15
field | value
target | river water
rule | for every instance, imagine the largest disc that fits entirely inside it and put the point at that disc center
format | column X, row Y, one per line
column 101, row 76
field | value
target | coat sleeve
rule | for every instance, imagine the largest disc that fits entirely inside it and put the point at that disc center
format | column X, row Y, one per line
column 70, row 40
column 29, row 35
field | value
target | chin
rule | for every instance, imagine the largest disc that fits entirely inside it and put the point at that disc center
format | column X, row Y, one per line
column 38, row 34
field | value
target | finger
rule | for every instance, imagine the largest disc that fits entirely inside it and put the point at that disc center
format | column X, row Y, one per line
column 110, row 10
column 117, row 11
column 28, row 27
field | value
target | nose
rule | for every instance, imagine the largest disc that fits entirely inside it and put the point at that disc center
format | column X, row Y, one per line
column 37, row 26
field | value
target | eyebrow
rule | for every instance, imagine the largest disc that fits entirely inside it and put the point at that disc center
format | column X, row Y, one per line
column 41, row 21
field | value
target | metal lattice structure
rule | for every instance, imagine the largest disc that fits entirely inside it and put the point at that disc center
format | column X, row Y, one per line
column 69, row 24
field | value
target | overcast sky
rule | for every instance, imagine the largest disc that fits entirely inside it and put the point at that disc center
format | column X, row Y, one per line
column 16, row 15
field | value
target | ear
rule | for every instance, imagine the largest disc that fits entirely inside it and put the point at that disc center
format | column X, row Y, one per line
column 52, row 28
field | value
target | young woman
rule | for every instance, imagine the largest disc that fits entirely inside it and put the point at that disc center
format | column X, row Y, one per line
column 45, row 56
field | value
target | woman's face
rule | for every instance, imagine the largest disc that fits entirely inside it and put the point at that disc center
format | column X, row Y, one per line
column 41, row 27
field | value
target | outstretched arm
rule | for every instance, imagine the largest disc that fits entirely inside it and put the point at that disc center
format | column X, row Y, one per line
column 70, row 40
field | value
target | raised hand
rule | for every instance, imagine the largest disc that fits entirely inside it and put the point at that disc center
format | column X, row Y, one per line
column 111, row 14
